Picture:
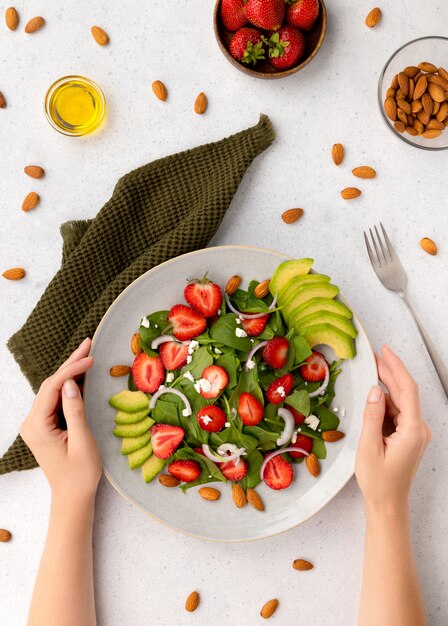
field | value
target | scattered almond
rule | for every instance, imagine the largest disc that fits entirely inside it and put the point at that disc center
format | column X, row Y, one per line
column 35, row 171
column 34, row 24
column 373, row 17
column 31, row 201
column 5, row 535
column 312, row 465
column 262, row 289
column 168, row 481
column 15, row 273
column 135, row 344
column 100, row 35
column 428, row 246
column 332, row 435
column 427, row 67
column 2, row 101
column 11, row 18
column 290, row 216
column 254, row 500
column 238, row 496
column 350, row 192
column 209, row 493
column 364, row 171
column 192, row 602
column 200, row 104
column 119, row 370
column 337, row 153
column 302, row 565
column 269, row 608
column 232, row 284
column 159, row 90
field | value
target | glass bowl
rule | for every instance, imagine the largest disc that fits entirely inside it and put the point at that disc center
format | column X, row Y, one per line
column 431, row 49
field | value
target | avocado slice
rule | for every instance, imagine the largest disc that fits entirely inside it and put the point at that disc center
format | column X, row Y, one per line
column 300, row 281
column 131, row 444
column 324, row 317
column 129, row 401
column 316, row 305
column 342, row 344
column 301, row 295
column 151, row 467
column 287, row 270
column 137, row 458
column 130, row 418
column 133, row 430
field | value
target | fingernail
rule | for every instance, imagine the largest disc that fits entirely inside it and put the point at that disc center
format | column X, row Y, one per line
column 375, row 394
column 83, row 343
column 71, row 389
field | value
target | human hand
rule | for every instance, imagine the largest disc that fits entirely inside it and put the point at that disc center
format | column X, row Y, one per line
column 69, row 458
column 386, row 466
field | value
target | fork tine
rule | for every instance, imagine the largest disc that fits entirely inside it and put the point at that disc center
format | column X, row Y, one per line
column 390, row 247
column 380, row 241
column 376, row 247
column 372, row 258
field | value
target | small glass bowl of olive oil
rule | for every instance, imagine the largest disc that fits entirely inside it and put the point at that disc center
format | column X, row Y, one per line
column 75, row 105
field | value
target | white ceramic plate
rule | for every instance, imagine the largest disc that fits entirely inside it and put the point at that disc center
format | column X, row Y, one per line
column 160, row 288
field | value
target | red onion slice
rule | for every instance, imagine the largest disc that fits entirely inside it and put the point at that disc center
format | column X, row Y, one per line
column 155, row 343
column 287, row 433
column 253, row 350
column 324, row 385
column 271, row 455
column 250, row 316
column 222, row 459
column 181, row 395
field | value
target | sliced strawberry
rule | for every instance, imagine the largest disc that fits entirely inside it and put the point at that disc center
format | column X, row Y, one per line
column 314, row 368
column 280, row 388
column 278, row 473
column 173, row 354
column 255, row 326
column 234, row 470
column 186, row 323
column 165, row 438
column 250, row 409
column 148, row 372
column 213, row 380
column 199, row 450
column 204, row 296
column 298, row 417
column 211, row 418
column 186, row 471
column 275, row 352
column 304, row 442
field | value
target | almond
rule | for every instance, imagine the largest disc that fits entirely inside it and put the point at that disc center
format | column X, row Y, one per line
column 427, row 67
column 418, row 126
column 438, row 80
column 403, row 81
column 292, row 215
column 411, row 89
column 209, row 493
column 232, row 284
column 262, row 289
column 436, row 92
column 192, row 602
column 160, row 90
column 238, row 496
column 2, row 101
column 168, row 481
column 402, row 116
column 398, row 125
column 373, row 17
column 100, row 35
column 390, row 107
column 364, row 171
column 411, row 71
column 404, row 106
column 337, row 152
column 428, row 245
column 411, row 130
column 35, row 171
column 434, row 124
column 5, row 535
column 442, row 112
column 431, row 134
column 302, row 565
column 400, row 95
column 332, row 435
column 390, row 93
column 420, row 87
column 254, row 500
column 119, row 370
column 443, row 73
column 423, row 117
column 135, row 344
column 31, row 201
column 416, row 106
column 435, row 107
column 394, row 83
column 350, row 192
column 15, row 273
column 269, row 608
column 11, row 18
column 200, row 104
column 312, row 465
column 34, row 24
column 427, row 103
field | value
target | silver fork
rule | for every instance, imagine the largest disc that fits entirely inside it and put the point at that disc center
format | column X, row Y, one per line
column 389, row 270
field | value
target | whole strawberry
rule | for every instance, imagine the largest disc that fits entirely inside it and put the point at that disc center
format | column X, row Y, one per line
column 303, row 13
column 247, row 46
column 267, row 14
column 233, row 14
column 286, row 47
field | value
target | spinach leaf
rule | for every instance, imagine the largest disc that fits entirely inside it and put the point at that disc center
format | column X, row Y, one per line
column 202, row 358
column 210, row 472
column 166, row 413
column 309, row 432
column 301, row 348
column 223, row 331
column 157, row 323
column 319, row 449
column 248, row 381
column 328, row 420
column 300, row 401
column 263, row 434
column 252, row 478
column 233, row 435
column 231, row 364
column 196, row 400
column 247, row 300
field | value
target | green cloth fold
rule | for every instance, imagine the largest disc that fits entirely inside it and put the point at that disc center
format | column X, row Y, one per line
column 166, row 208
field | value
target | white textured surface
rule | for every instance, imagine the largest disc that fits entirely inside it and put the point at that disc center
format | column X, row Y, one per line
column 144, row 571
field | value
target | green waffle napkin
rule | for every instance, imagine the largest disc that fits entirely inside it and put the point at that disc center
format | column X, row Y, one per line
column 166, row 208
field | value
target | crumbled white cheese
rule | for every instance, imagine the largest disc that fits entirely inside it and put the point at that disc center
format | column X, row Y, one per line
column 319, row 430
column 189, row 376
column 192, row 346
column 238, row 320
column 161, row 387
column 294, row 438
column 189, row 359
column 145, row 322
column 202, row 384
column 156, row 326
column 312, row 421
column 239, row 332
column 169, row 377
column 206, row 419
column 227, row 424
column 281, row 391
column 218, row 351
column 252, row 340
column 299, row 430
column 186, row 412
column 209, row 475
column 219, row 312
column 342, row 412
column 335, row 409
column 250, row 364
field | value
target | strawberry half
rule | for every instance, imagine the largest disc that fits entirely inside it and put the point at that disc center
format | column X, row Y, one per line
column 303, row 13
column 165, row 438
column 186, row 471
column 280, row 388
column 314, row 368
column 267, row 14
column 250, row 409
column 298, row 417
column 186, row 323
column 234, row 470
column 278, row 473
column 213, row 380
column 304, row 442
column 275, row 352
column 233, row 14
column 211, row 418
column 203, row 296
column 173, row 354
column 148, row 372
column 255, row 326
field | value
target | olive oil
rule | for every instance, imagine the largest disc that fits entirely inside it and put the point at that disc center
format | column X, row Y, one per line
column 75, row 105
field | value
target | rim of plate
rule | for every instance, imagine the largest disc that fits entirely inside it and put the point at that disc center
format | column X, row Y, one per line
column 119, row 490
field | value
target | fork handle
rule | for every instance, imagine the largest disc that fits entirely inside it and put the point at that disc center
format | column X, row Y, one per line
column 439, row 365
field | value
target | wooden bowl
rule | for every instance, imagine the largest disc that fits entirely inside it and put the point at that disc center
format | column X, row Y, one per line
column 314, row 39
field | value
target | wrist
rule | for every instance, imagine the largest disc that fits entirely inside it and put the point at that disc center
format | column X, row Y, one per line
column 69, row 502
column 396, row 508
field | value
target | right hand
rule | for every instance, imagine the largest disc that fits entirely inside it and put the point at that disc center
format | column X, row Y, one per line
column 386, row 466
